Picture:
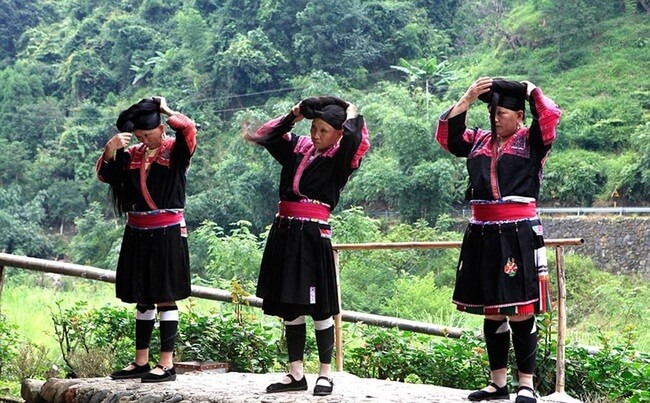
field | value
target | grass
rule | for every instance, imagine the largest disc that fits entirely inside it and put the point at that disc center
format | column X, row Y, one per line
column 30, row 307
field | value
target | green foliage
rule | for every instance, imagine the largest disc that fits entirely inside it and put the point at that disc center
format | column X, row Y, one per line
column 8, row 343
column 636, row 176
column 247, row 346
column 21, row 216
column 575, row 177
column 102, row 336
column 398, row 356
column 616, row 371
column 97, row 240
column 234, row 256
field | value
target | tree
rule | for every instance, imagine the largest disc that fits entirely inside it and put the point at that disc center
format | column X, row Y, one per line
column 15, row 18
column 574, row 177
column 248, row 63
column 21, row 218
column 636, row 183
column 427, row 74
column 334, row 39
column 96, row 240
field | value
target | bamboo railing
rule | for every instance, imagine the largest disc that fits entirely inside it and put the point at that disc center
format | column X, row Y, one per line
column 93, row 273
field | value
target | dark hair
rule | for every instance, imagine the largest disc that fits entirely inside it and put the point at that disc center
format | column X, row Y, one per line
column 330, row 109
column 506, row 93
column 144, row 115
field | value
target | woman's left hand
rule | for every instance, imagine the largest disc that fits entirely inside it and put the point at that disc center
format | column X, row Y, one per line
column 351, row 111
column 164, row 108
column 529, row 88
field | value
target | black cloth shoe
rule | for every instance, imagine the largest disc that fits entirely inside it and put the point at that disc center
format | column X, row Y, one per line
column 288, row 387
column 169, row 374
column 136, row 372
column 323, row 390
column 499, row 393
column 525, row 399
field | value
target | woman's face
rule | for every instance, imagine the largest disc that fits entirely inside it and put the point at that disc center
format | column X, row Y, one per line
column 151, row 138
column 507, row 121
column 323, row 135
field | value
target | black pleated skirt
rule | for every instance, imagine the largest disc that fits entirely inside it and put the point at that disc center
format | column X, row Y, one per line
column 153, row 266
column 297, row 275
column 502, row 269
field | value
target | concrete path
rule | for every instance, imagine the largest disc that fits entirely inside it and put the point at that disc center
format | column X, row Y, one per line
column 235, row 387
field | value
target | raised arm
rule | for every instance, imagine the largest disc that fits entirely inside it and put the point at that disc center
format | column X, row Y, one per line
column 546, row 116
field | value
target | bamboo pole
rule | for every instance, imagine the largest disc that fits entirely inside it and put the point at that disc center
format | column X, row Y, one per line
column 437, row 245
column 89, row 272
column 338, row 322
column 2, row 283
column 561, row 327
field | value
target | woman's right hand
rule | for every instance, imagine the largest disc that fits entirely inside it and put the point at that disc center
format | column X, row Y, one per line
column 120, row 140
column 478, row 87
column 296, row 112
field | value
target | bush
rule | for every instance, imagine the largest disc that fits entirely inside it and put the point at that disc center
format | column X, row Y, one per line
column 616, row 372
column 8, row 342
column 94, row 342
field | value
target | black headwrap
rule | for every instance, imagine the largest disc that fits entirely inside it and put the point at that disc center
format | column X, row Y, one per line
column 330, row 109
column 507, row 94
column 144, row 115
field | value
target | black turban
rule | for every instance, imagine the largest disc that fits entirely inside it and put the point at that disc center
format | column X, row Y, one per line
column 330, row 109
column 144, row 115
column 506, row 93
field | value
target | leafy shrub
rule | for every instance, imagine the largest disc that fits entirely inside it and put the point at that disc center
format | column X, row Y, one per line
column 615, row 372
column 574, row 177
column 8, row 342
column 30, row 361
column 395, row 355
column 94, row 342
column 246, row 346
column 85, row 334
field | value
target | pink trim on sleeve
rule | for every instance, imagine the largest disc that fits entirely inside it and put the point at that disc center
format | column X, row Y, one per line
column 267, row 127
column 442, row 134
column 549, row 115
column 363, row 148
column 187, row 127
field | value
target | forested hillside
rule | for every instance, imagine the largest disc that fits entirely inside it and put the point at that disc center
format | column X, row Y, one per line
column 67, row 67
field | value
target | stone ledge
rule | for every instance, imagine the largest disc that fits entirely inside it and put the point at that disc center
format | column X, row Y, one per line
column 233, row 387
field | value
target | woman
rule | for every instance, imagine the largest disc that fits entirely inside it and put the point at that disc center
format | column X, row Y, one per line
column 502, row 270
column 148, row 182
column 297, row 275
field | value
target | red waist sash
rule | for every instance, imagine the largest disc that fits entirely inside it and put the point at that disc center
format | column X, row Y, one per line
column 304, row 210
column 503, row 211
column 154, row 219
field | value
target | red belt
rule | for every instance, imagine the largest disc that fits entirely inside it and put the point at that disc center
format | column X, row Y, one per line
column 305, row 210
column 503, row 211
column 154, row 219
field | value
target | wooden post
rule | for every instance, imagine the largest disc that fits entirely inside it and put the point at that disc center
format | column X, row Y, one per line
column 2, row 283
column 338, row 322
column 561, row 326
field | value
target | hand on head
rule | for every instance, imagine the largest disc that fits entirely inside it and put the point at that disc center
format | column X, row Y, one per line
column 164, row 108
column 529, row 88
column 297, row 113
column 478, row 87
